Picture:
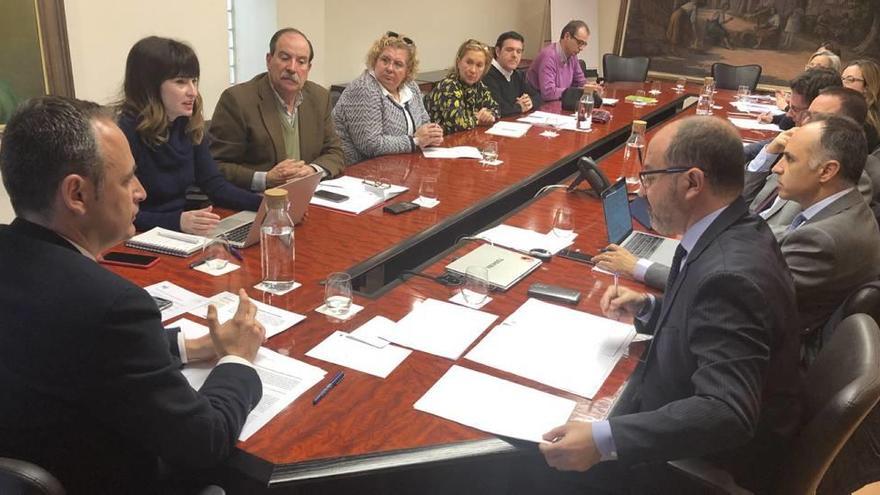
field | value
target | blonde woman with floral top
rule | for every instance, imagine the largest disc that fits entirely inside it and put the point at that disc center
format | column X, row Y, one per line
column 461, row 101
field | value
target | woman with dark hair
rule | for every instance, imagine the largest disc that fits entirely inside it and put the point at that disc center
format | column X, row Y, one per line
column 161, row 115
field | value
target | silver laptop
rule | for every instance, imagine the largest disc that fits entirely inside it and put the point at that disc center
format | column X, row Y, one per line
column 243, row 228
column 504, row 267
column 618, row 223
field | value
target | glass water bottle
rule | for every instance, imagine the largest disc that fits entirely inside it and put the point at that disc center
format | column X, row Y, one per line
column 633, row 155
column 277, row 253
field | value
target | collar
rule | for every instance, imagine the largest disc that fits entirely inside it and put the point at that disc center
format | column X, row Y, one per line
column 559, row 51
column 693, row 234
column 79, row 248
column 45, row 234
column 282, row 104
column 821, row 205
column 404, row 93
column 504, row 72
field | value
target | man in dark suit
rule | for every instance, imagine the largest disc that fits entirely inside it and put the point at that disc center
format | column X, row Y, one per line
column 507, row 84
column 277, row 126
column 90, row 380
column 720, row 377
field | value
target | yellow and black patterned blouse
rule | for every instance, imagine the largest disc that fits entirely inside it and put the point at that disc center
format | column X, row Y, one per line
column 454, row 105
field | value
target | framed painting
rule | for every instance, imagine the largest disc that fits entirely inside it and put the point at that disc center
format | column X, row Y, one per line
column 684, row 38
column 34, row 54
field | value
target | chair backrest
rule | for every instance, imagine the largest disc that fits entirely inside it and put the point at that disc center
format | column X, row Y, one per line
column 733, row 76
column 841, row 387
column 865, row 299
column 19, row 477
column 616, row 68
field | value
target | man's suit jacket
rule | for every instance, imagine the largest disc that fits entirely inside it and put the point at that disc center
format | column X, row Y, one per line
column 721, row 372
column 90, row 390
column 247, row 135
column 832, row 254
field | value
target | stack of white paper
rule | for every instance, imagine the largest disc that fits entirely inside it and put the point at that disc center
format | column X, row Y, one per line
column 556, row 346
column 509, row 129
column 751, row 107
column 753, row 124
column 494, row 405
column 340, row 348
column 440, row 328
column 274, row 320
column 525, row 240
column 452, row 152
column 181, row 299
column 361, row 196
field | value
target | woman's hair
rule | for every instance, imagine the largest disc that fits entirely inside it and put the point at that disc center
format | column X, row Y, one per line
column 871, row 73
column 394, row 40
column 831, row 56
column 475, row 46
column 152, row 61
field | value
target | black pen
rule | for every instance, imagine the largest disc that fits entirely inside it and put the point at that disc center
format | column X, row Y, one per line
column 335, row 381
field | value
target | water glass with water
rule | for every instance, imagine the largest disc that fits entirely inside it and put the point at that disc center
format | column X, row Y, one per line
column 337, row 293
column 428, row 188
column 475, row 288
column 216, row 252
column 680, row 84
column 743, row 92
column 563, row 223
column 656, row 87
column 704, row 104
column 489, row 152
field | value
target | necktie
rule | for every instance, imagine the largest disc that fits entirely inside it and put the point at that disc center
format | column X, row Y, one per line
column 680, row 253
column 768, row 201
column 798, row 220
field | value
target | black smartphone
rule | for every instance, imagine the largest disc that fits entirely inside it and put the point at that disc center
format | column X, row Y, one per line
column 129, row 259
column 400, row 207
column 162, row 303
column 331, row 196
column 576, row 256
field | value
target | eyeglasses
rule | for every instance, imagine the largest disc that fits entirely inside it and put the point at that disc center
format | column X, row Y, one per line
column 648, row 177
column 379, row 183
column 392, row 34
column 851, row 79
column 581, row 43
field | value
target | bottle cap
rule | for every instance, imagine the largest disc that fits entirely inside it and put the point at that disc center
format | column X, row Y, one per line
column 639, row 126
column 276, row 198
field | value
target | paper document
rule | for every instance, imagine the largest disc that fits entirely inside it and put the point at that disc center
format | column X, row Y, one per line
column 567, row 349
column 525, row 240
column 452, row 152
column 181, row 299
column 361, row 195
column 340, row 349
column 284, row 379
column 756, row 108
column 440, row 328
column 509, row 129
column 375, row 332
column 753, row 124
column 189, row 328
column 549, row 119
column 494, row 405
column 275, row 320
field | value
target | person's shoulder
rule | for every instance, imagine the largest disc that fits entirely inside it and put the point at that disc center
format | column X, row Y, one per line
column 246, row 88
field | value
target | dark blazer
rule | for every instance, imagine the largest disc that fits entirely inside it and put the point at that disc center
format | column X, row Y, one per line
column 248, row 137
column 89, row 388
column 721, row 372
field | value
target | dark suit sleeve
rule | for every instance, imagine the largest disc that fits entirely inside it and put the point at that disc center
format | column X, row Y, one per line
column 141, row 393
column 229, row 141
column 723, row 411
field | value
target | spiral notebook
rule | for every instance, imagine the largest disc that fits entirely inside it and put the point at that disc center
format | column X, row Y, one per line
column 166, row 241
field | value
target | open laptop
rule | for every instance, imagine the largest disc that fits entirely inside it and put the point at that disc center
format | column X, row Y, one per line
column 618, row 223
column 243, row 228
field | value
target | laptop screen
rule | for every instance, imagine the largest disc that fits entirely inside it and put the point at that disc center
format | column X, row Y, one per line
column 618, row 221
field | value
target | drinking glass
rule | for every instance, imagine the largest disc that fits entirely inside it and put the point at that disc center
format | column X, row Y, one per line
column 428, row 188
column 563, row 223
column 679, row 84
column 475, row 288
column 641, row 94
column 216, row 252
column 743, row 92
column 337, row 293
column 656, row 88
column 704, row 105
column 489, row 152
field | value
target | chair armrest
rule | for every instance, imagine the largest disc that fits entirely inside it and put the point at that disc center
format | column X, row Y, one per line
column 709, row 475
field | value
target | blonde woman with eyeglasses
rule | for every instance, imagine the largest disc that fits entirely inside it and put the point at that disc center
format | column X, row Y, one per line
column 864, row 76
column 461, row 101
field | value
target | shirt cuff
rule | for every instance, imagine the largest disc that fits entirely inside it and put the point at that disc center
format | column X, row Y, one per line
column 641, row 268
column 604, row 440
column 234, row 359
column 644, row 315
column 258, row 183
column 321, row 170
column 181, row 347
column 763, row 161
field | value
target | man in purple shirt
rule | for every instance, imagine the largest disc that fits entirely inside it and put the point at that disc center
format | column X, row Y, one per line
column 556, row 68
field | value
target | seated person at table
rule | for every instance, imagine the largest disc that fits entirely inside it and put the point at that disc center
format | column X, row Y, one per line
column 277, row 126
column 864, row 76
column 556, row 68
column 381, row 112
column 461, row 101
column 508, row 85
column 161, row 116
column 720, row 379
column 90, row 380
column 823, row 59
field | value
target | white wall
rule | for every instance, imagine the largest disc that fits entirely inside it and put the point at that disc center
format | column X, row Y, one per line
column 255, row 21
column 309, row 16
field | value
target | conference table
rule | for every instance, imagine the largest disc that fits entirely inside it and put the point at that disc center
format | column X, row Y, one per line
column 367, row 426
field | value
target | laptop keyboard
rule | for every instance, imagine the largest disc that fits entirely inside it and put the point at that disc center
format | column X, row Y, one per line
column 643, row 245
column 239, row 234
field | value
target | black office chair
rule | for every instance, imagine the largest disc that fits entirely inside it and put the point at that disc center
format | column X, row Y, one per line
column 841, row 387
column 19, row 477
column 733, row 76
column 616, row 68
column 588, row 72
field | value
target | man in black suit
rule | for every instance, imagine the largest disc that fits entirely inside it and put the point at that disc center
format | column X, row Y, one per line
column 507, row 84
column 90, row 380
column 720, row 377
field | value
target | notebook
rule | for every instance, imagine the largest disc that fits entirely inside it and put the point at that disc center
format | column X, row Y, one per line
column 166, row 241
column 505, row 267
column 618, row 223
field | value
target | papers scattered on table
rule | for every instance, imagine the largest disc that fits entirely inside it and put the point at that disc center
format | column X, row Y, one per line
column 339, row 348
column 509, row 129
column 189, row 328
column 440, row 328
column 494, row 405
column 576, row 353
column 274, row 320
column 756, row 108
column 361, row 196
column 525, row 240
column 374, row 332
column 549, row 119
column 181, row 299
column 284, row 379
column 753, row 124
column 452, row 152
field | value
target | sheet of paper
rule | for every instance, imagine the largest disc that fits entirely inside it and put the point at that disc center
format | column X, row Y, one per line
column 576, row 353
column 181, row 299
column 284, row 379
column 275, row 320
column 452, row 152
column 548, row 119
column 509, row 129
column 494, row 405
column 524, row 239
column 375, row 332
column 339, row 349
column 189, row 328
column 609, row 101
column 361, row 196
column 756, row 108
column 440, row 328
column 753, row 124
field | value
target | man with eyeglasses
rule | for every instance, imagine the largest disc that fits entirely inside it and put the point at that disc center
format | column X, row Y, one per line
column 720, row 377
column 277, row 127
column 556, row 68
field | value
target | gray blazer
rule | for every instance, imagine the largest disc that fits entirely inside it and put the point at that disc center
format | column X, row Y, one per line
column 371, row 124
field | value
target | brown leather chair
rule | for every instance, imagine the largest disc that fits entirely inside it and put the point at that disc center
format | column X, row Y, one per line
column 841, row 387
column 19, row 477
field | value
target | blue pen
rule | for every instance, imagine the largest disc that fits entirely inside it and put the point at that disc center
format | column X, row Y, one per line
column 235, row 252
column 335, row 381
